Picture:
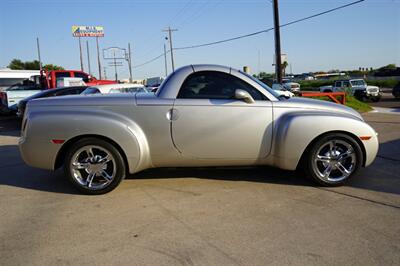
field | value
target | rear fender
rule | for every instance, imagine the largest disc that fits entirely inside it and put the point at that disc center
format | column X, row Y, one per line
column 67, row 125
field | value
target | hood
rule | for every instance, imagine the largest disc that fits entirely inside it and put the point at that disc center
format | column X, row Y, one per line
column 86, row 100
column 372, row 87
column 307, row 103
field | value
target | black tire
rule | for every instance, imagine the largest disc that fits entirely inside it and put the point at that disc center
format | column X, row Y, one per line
column 376, row 99
column 115, row 166
column 311, row 166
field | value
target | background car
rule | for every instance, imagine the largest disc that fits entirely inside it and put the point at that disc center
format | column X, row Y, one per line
column 281, row 90
column 10, row 98
column 291, row 85
column 49, row 93
column 357, row 87
column 115, row 88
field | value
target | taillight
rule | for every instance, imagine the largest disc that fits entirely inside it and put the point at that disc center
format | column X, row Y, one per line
column 3, row 96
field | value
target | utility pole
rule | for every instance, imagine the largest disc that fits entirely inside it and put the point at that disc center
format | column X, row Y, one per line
column 130, row 62
column 169, row 30
column 98, row 56
column 278, row 63
column 88, row 56
column 115, row 67
column 258, row 64
column 165, row 60
column 80, row 52
column 38, row 51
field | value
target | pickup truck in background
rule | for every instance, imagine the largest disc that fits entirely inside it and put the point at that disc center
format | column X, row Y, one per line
column 10, row 98
column 291, row 86
column 356, row 87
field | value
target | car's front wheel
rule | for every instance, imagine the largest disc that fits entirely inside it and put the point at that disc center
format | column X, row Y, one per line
column 94, row 166
column 333, row 159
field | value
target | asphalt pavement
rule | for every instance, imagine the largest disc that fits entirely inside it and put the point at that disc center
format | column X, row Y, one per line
column 202, row 216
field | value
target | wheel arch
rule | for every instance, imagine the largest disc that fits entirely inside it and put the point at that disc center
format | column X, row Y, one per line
column 313, row 141
column 68, row 144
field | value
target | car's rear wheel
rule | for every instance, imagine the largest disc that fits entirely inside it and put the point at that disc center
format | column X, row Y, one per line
column 94, row 166
column 333, row 159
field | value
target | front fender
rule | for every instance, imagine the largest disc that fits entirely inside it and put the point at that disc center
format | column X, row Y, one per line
column 38, row 149
column 294, row 131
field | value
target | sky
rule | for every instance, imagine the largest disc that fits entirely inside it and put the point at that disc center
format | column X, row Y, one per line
column 363, row 35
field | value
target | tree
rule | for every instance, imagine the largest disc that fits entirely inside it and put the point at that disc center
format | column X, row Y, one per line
column 284, row 66
column 20, row 65
column 264, row 75
column 390, row 67
column 31, row 65
column 52, row 67
column 16, row 64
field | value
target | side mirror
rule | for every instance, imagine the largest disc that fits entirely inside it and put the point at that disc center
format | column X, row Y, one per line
column 244, row 96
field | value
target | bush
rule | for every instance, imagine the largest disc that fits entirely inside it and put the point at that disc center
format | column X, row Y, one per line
column 386, row 83
column 314, row 84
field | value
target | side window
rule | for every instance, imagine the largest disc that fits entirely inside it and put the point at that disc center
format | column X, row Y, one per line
column 67, row 92
column 84, row 76
column 63, row 75
column 215, row 85
column 346, row 84
column 338, row 84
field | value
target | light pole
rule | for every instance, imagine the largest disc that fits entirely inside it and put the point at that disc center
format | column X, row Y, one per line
column 88, row 57
column 130, row 62
column 80, row 53
column 98, row 56
column 38, row 51
column 165, row 60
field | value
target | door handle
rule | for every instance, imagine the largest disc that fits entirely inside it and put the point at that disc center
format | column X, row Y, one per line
column 172, row 114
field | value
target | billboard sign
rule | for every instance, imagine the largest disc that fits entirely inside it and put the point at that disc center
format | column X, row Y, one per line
column 87, row 31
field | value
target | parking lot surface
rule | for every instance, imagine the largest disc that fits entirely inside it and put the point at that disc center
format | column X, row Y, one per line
column 202, row 216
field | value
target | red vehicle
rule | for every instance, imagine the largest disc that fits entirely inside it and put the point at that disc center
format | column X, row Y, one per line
column 49, row 79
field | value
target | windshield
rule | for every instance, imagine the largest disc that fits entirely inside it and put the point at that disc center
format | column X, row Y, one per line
column 262, row 84
column 358, row 82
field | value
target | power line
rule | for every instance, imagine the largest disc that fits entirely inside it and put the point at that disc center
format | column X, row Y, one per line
column 151, row 60
column 269, row 29
column 250, row 34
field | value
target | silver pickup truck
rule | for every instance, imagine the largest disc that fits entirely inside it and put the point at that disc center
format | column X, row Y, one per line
column 202, row 115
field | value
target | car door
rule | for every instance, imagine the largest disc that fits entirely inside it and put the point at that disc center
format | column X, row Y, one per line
column 209, row 123
column 338, row 86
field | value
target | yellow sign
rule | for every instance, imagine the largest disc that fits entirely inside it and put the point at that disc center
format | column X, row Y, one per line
column 87, row 31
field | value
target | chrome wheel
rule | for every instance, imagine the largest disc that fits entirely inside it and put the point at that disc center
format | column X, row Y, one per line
column 93, row 167
column 334, row 161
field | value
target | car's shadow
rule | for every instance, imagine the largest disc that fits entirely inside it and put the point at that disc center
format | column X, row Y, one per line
column 382, row 176
column 261, row 174
column 10, row 126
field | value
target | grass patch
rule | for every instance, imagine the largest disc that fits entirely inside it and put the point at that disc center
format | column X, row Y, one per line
column 352, row 102
column 357, row 105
